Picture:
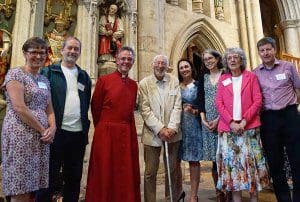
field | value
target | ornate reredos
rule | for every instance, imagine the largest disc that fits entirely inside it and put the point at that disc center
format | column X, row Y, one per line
column 60, row 12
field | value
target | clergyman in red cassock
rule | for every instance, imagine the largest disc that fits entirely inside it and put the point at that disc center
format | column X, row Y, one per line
column 114, row 173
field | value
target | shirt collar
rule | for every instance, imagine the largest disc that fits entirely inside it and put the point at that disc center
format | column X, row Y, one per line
column 262, row 65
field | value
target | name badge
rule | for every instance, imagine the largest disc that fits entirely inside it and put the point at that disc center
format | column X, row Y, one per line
column 42, row 85
column 191, row 85
column 280, row 77
column 226, row 82
column 80, row 86
column 172, row 92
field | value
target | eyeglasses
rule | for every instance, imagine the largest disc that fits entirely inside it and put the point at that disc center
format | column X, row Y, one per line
column 36, row 53
column 233, row 57
column 123, row 59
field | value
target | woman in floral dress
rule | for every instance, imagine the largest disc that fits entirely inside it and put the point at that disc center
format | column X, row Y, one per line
column 212, row 70
column 28, row 127
column 240, row 160
column 190, row 124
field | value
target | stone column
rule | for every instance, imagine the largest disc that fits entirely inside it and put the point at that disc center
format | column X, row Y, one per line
column 298, row 27
column 257, row 30
column 29, row 21
column 257, row 21
column 197, row 6
column 242, row 26
column 131, row 36
column 291, row 37
column 151, row 31
column 252, row 58
column 86, row 31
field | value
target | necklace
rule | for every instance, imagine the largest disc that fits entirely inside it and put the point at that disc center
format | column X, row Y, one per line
column 214, row 77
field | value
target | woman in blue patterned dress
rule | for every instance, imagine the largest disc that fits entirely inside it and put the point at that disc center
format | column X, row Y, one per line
column 190, row 124
column 212, row 70
column 29, row 125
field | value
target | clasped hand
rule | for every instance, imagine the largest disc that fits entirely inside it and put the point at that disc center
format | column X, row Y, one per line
column 48, row 135
column 166, row 134
column 211, row 125
column 238, row 127
column 189, row 108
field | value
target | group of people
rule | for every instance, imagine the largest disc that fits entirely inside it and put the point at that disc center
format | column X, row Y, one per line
column 239, row 120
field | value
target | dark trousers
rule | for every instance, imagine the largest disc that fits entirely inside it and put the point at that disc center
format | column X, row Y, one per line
column 66, row 161
column 282, row 128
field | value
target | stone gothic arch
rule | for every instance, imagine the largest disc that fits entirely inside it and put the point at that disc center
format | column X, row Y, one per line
column 199, row 30
column 281, row 20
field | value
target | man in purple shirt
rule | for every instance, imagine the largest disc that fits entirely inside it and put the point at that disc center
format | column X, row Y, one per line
column 280, row 119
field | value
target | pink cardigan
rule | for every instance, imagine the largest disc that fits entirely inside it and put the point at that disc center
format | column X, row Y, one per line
column 251, row 99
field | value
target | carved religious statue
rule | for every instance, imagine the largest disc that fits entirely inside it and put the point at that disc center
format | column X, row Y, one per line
column 5, row 45
column 111, row 32
column 219, row 9
column 56, row 37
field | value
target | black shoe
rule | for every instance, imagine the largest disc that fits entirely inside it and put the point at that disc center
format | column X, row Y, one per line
column 182, row 196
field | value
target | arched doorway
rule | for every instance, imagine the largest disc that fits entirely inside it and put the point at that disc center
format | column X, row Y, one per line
column 195, row 37
column 271, row 22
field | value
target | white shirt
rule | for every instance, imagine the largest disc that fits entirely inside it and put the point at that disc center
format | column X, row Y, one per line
column 71, row 119
column 237, row 103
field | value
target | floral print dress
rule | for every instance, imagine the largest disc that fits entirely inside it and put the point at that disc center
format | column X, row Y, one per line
column 241, row 163
column 25, row 159
column 210, row 139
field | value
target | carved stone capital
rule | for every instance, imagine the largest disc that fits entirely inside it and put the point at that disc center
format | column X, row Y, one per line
column 288, row 24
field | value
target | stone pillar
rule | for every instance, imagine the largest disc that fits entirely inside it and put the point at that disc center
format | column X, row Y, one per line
column 151, row 31
column 86, row 31
column 131, row 36
column 298, row 27
column 257, row 31
column 257, row 21
column 29, row 22
column 198, row 6
column 291, row 37
column 242, row 26
column 252, row 59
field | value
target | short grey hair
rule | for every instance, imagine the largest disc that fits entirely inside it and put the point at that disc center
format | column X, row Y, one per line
column 69, row 38
column 241, row 54
column 129, row 49
column 165, row 58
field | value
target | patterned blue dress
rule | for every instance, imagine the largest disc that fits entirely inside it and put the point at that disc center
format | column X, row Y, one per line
column 210, row 139
column 190, row 124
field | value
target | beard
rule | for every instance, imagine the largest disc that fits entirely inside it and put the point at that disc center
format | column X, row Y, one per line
column 160, row 73
column 70, row 58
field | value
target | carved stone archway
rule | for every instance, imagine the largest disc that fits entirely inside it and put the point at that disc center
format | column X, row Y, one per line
column 199, row 30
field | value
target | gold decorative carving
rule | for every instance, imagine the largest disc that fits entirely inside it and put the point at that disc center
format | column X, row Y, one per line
column 7, row 8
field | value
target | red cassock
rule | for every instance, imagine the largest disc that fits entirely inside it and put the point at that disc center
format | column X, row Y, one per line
column 114, row 173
